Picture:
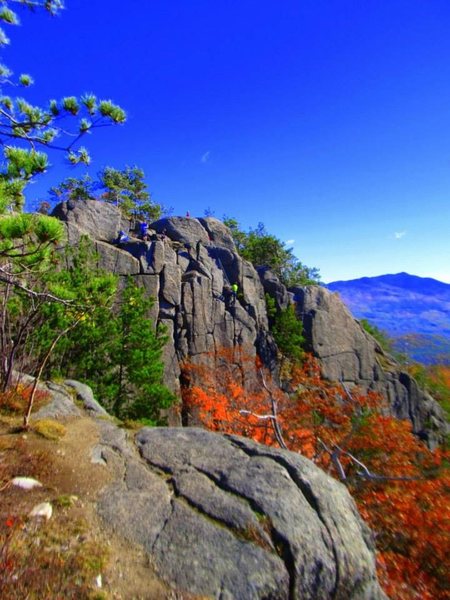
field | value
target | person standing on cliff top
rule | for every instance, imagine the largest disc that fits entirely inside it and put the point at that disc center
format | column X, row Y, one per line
column 143, row 230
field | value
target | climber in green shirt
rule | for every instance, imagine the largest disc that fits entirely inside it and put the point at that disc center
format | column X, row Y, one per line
column 234, row 291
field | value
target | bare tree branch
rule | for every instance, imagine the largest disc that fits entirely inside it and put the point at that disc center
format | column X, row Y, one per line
column 276, row 425
column 335, row 455
column 9, row 279
column 262, row 417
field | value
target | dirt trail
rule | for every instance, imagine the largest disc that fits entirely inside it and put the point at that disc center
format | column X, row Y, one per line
column 71, row 482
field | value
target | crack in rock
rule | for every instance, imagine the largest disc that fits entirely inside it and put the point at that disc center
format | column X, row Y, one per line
column 169, row 516
column 308, row 494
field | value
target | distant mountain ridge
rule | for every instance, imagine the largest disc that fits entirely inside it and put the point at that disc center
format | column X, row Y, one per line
column 403, row 305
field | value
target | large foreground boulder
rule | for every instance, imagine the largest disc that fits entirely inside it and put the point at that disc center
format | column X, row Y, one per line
column 224, row 517
column 221, row 516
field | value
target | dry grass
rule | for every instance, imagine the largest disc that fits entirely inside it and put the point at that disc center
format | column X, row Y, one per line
column 49, row 429
column 49, row 560
column 39, row 559
column 61, row 558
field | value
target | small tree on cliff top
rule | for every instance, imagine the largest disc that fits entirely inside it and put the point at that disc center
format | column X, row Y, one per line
column 266, row 250
column 124, row 188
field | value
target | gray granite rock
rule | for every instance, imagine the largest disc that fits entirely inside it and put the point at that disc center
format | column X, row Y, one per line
column 61, row 404
column 182, row 229
column 116, row 260
column 218, row 233
column 100, row 220
column 226, row 517
column 85, row 394
column 188, row 267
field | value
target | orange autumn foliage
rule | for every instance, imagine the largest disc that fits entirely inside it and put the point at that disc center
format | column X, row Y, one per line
column 436, row 380
column 410, row 518
column 215, row 397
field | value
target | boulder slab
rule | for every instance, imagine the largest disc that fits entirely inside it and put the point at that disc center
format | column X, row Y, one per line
column 224, row 517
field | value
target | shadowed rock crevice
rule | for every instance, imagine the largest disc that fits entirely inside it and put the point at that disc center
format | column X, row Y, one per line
column 251, row 531
column 243, row 514
column 163, row 526
column 304, row 487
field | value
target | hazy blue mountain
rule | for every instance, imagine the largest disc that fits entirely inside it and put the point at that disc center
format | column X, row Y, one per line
column 404, row 305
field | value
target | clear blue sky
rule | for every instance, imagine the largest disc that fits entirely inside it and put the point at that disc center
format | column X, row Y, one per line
column 328, row 120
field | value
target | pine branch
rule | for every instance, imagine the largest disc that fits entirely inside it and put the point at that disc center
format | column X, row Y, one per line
column 9, row 279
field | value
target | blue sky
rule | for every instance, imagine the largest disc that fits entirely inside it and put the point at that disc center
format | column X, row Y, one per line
column 328, row 120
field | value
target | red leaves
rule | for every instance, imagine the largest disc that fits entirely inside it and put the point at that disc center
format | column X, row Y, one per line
column 410, row 519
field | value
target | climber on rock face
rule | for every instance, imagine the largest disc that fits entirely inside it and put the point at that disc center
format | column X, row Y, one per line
column 234, row 291
column 143, row 231
column 122, row 237
column 229, row 294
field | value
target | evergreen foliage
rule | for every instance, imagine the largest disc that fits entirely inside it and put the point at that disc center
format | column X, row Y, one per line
column 27, row 255
column 271, row 308
column 127, row 189
column 266, row 250
column 124, row 188
column 56, row 317
column 49, row 303
column 287, row 331
column 24, row 126
column 73, row 189
column 114, row 347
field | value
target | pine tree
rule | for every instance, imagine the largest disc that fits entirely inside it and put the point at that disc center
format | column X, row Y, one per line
column 115, row 347
column 28, row 242
column 127, row 189
column 266, row 250
column 287, row 331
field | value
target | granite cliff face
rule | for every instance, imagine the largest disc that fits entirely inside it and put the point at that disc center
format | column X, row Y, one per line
column 188, row 265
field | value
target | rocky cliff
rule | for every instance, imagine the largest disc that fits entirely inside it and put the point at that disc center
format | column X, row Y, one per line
column 349, row 354
column 188, row 266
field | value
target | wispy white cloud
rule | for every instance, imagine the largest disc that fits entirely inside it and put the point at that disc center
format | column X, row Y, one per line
column 399, row 234
column 290, row 242
column 205, row 157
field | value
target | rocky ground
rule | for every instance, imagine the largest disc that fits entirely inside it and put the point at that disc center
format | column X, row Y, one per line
column 72, row 554
column 185, row 513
